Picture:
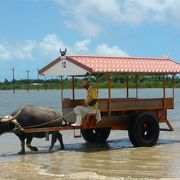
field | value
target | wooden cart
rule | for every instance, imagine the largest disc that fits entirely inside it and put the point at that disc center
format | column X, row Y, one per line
column 140, row 116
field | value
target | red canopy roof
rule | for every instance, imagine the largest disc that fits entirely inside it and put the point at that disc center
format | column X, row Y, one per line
column 108, row 64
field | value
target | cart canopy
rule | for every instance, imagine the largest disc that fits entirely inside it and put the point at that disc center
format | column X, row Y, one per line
column 81, row 65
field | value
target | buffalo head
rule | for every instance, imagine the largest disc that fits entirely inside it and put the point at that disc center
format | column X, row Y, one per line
column 7, row 123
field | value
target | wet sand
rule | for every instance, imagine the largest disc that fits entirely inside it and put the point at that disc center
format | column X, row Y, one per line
column 116, row 159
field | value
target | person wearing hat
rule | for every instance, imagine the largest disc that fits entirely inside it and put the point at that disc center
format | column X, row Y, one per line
column 90, row 103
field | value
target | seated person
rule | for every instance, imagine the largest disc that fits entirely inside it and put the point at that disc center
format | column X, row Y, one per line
column 90, row 103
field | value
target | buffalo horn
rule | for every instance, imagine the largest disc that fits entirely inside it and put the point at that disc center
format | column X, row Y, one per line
column 10, row 118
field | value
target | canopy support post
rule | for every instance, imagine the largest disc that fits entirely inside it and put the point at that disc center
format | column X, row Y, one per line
column 97, row 86
column 62, row 87
column 137, row 86
column 73, row 93
column 164, row 91
column 109, row 95
column 173, row 84
column 127, row 86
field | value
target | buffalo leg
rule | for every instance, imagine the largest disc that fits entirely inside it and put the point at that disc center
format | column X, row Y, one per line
column 53, row 140
column 28, row 144
column 59, row 137
column 22, row 147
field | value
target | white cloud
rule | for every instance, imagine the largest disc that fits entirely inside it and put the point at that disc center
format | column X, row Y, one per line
column 17, row 51
column 90, row 17
column 140, row 11
column 84, row 16
column 48, row 49
column 4, row 53
column 50, row 45
column 105, row 50
column 88, row 27
column 82, row 46
column 24, row 51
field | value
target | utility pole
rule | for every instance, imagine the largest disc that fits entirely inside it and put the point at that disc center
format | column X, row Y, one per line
column 27, row 80
column 37, row 79
column 13, row 80
column 45, row 88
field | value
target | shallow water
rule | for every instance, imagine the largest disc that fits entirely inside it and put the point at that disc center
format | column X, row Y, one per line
column 116, row 159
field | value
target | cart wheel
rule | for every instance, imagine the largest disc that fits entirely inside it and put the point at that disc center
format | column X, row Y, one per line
column 144, row 130
column 95, row 135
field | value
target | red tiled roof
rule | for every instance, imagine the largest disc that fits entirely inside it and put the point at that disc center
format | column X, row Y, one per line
column 108, row 64
column 100, row 64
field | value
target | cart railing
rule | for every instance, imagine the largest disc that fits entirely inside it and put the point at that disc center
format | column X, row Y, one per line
column 121, row 104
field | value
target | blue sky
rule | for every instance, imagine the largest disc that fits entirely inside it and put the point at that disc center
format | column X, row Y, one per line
column 33, row 31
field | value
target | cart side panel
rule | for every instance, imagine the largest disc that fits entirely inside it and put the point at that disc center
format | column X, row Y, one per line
column 136, row 104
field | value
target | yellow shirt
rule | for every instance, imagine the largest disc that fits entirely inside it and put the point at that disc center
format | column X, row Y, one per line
column 91, row 94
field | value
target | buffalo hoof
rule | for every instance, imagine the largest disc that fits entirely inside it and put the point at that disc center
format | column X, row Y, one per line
column 33, row 148
column 21, row 152
column 61, row 148
column 51, row 150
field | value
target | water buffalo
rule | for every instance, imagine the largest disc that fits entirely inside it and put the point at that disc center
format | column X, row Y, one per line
column 28, row 117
